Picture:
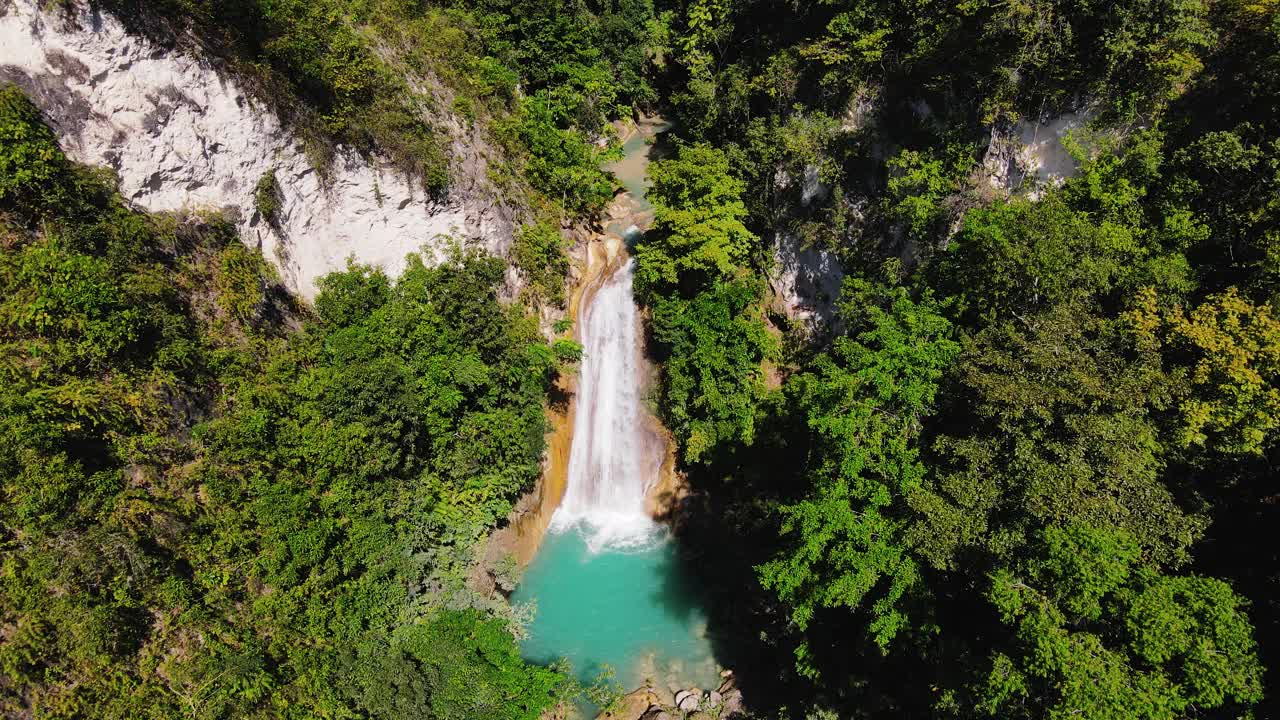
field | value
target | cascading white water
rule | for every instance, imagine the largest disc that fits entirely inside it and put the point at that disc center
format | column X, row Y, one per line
column 616, row 454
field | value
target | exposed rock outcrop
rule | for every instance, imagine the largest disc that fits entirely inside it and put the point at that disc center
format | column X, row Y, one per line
column 724, row 703
column 812, row 189
column 805, row 281
column 1031, row 155
column 181, row 134
column 632, row 706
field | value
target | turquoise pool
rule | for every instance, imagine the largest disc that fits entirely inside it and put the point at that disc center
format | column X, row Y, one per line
column 630, row 609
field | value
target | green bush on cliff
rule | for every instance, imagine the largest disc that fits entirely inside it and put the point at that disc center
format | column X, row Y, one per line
column 539, row 251
column 266, row 196
column 31, row 163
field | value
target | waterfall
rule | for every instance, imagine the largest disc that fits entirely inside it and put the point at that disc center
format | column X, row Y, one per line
column 616, row 453
column 596, row 570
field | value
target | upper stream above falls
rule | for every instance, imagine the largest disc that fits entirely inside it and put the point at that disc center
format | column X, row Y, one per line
column 606, row 580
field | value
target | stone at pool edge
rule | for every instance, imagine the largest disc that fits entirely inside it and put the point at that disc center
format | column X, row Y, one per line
column 732, row 704
column 634, row 705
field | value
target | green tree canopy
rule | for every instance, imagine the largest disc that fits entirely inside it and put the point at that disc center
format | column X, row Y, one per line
column 1097, row 635
column 698, row 236
column 864, row 402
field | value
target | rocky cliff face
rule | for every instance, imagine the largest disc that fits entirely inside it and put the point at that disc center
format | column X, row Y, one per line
column 1022, row 158
column 1031, row 155
column 180, row 134
column 805, row 281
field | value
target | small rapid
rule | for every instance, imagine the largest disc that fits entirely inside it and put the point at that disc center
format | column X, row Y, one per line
column 616, row 453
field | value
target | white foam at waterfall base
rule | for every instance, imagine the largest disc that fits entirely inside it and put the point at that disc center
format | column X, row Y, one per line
column 616, row 454
column 631, row 235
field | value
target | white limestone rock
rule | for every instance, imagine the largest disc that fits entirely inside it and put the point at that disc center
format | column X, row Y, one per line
column 805, row 281
column 1031, row 155
column 180, row 134
column 812, row 189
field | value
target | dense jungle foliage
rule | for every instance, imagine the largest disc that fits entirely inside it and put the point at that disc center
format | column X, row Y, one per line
column 217, row 503
column 1021, row 467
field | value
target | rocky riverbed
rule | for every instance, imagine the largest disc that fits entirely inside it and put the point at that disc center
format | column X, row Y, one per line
column 650, row 703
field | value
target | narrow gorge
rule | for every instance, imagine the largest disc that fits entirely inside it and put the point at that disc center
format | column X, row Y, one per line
column 609, row 590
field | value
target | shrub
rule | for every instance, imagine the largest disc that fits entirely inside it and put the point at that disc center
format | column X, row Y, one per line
column 266, row 196
column 30, row 159
column 538, row 251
